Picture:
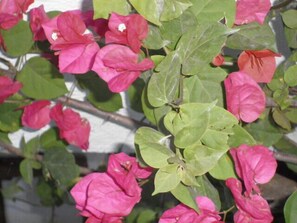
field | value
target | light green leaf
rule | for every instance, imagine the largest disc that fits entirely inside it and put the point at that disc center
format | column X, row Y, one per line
column 102, row 8
column 41, row 79
column 160, row 10
column 291, row 37
column 98, row 93
column 240, row 136
column 206, row 86
column 154, row 40
column 280, row 119
column 152, row 147
column 200, row 45
column 30, row 148
column 252, row 36
column 291, row 76
column 186, row 176
column 61, row 165
column 26, row 171
column 186, row 195
column 50, row 138
column 290, row 208
column 289, row 18
column 166, row 179
column 10, row 118
column 291, row 114
column 214, row 10
column 224, row 168
column 146, row 216
column 18, row 40
column 163, row 86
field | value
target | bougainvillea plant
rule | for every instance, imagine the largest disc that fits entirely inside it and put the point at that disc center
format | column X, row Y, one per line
column 203, row 73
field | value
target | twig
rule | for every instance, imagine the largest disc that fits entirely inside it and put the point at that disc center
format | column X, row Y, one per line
column 288, row 158
column 270, row 103
column 16, row 151
column 114, row 117
column 281, row 5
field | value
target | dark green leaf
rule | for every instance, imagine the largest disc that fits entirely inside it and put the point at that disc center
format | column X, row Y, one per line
column 280, row 119
column 10, row 118
column 18, row 40
column 98, row 93
column 291, row 76
column 154, row 40
column 289, row 18
column 290, row 208
column 50, row 138
column 4, row 137
column 102, row 8
column 147, row 216
column 41, row 79
column 134, row 93
column 252, row 36
column 291, row 37
column 46, row 191
column 61, row 165
column 26, row 171
column 30, row 148
column 9, row 191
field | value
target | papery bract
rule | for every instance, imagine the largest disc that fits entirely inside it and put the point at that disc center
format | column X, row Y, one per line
column 36, row 115
column 76, row 46
column 245, row 99
column 254, row 164
column 183, row 214
column 11, row 12
column 8, row 87
column 104, row 219
column 74, row 129
column 259, row 64
column 99, row 26
column 252, row 208
column 37, row 18
column 98, row 194
column 218, row 60
column 128, row 30
column 248, row 11
column 118, row 65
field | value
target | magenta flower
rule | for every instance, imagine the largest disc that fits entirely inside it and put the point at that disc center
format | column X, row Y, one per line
column 37, row 18
column 8, row 87
column 11, row 12
column 254, row 164
column 127, row 30
column 74, row 129
column 119, row 66
column 36, row 115
column 183, row 214
column 98, row 194
column 245, row 99
column 251, row 208
column 248, row 11
column 105, row 219
column 76, row 46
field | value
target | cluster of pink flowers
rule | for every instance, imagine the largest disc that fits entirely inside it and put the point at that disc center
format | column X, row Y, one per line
column 183, row 214
column 254, row 165
column 71, row 38
column 108, row 197
column 74, row 129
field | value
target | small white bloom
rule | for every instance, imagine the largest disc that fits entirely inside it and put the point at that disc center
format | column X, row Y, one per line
column 54, row 36
column 87, row 32
column 122, row 27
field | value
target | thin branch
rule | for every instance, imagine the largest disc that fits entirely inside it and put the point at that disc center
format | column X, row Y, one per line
column 270, row 103
column 288, row 158
column 281, row 5
column 113, row 117
column 16, row 151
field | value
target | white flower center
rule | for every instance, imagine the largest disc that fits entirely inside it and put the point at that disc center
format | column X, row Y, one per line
column 54, row 36
column 87, row 32
column 122, row 27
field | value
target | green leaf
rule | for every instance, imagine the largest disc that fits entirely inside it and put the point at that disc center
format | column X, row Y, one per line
column 134, row 93
column 26, row 171
column 240, row 136
column 154, row 39
column 289, row 18
column 166, row 179
column 98, row 93
column 18, row 40
column 224, row 168
column 252, row 36
column 200, row 45
column 291, row 114
column 47, row 192
column 4, row 137
column 171, row 31
column 152, row 147
column 291, row 37
column 41, row 79
column 291, row 76
column 280, row 119
column 163, row 86
column 264, row 132
column 186, row 176
column 9, row 191
column 214, row 10
column 50, row 138
column 185, row 195
column 102, row 8
column 30, row 148
column 205, row 87
column 146, row 216
column 61, row 165
column 10, row 118
column 160, row 10
column 290, row 208
column 208, row 190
